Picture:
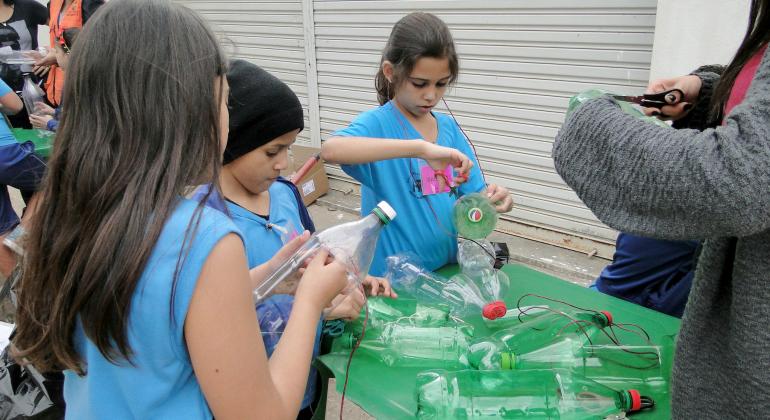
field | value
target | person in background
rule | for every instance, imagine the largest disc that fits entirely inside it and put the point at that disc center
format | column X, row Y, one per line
column 403, row 146
column 19, row 20
column 63, row 14
column 139, row 294
column 47, row 118
column 711, row 185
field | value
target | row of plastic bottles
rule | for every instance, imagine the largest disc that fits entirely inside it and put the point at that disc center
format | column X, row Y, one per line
column 531, row 394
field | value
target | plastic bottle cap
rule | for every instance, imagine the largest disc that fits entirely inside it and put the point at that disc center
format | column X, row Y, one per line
column 507, row 360
column 609, row 317
column 387, row 209
column 636, row 400
column 494, row 310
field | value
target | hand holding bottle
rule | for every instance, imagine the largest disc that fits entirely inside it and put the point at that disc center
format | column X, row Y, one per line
column 321, row 281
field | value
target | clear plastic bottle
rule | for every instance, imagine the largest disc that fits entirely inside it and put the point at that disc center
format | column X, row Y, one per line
column 627, row 107
column 405, row 345
column 385, row 310
column 536, row 332
column 533, row 394
column 461, row 293
column 31, row 93
column 474, row 216
column 351, row 243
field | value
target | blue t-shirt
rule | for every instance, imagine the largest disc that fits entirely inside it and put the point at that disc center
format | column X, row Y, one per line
column 161, row 384
column 6, row 136
column 655, row 273
column 262, row 239
column 415, row 228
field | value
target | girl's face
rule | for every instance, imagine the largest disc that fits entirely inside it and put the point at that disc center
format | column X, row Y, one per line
column 257, row 170
column 62, row 58
column 421, row 90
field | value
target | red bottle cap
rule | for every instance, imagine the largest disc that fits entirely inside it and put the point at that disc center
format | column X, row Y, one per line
column 636, row 400
column 494, row 310
column 609, row 318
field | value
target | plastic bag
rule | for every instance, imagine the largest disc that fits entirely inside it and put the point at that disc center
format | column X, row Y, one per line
column 26, row 393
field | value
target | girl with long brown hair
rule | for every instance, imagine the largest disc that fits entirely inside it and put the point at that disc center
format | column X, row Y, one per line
column 141, row 296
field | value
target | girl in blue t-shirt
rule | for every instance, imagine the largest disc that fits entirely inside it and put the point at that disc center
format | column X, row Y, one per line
column 265, row 119
column 141, row 296
column 400, row 151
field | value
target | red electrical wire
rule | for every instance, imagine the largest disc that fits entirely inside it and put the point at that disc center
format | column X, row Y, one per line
column 352, row 352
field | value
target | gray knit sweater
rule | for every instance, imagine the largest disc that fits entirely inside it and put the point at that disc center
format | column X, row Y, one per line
column 711, row 185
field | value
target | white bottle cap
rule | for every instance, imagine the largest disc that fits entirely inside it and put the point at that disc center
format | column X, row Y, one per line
column 387, row 209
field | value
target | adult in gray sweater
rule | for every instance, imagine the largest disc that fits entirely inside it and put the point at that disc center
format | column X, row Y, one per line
column 711, row 185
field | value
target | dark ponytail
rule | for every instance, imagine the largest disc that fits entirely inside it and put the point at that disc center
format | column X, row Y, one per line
column 757, row 34
column 415, row 36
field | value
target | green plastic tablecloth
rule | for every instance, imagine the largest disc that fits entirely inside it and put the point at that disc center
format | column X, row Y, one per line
column 389, row 392
column 42, row 139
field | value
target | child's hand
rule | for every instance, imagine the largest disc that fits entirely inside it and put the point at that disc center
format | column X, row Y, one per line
column 42, row 108
column 500, row 198
column 349, row 308
column 321, row 282
column 379, row 286
column 438, row 157
column 40, row 121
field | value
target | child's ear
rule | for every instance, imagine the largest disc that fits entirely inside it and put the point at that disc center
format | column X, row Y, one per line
column 387, row 70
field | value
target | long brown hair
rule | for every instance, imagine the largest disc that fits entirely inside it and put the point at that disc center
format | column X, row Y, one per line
column 140, row 125
column 414, row 36
column 757, row 34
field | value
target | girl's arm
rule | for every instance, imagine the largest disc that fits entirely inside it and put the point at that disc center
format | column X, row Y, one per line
column 358, row 150
column 225, row 344
column 10, row 103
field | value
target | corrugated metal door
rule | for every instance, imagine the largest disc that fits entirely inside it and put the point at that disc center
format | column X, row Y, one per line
column 520, row 61
column 267, row 33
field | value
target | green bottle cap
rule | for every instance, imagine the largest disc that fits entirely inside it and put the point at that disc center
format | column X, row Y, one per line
column 507, row 360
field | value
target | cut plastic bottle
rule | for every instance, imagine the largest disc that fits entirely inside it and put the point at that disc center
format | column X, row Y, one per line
column 351, row 243
column 461, row 293
column 533, row 394
column 401, row 344
column 627, row 107
column 474, row 216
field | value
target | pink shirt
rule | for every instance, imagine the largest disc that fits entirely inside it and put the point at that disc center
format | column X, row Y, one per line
column 743, row 81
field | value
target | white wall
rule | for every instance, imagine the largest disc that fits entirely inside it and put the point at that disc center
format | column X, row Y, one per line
column 691, row 33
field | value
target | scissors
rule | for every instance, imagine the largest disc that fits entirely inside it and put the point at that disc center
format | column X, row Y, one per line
column 654, row 100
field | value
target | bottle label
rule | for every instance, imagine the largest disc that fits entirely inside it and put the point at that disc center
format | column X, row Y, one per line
column 475, row 215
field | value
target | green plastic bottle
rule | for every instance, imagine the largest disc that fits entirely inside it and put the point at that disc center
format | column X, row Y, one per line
column 536, row 332
column 533, row 394
column 627, row 107
column 474, row 216
column 403, row 345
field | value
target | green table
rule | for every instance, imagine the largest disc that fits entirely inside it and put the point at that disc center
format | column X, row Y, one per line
column 42, row 139
column 388, row 392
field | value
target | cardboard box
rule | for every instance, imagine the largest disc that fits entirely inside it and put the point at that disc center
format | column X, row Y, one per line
column 315, row 182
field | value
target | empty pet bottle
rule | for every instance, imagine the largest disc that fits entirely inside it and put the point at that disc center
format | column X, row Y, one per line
column 627, row 107
column 460, row 292
column 351, row 243
column 534, row 394
column 405, row 345
column 536, row 332
column 474, row 216
column 385, row 310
